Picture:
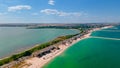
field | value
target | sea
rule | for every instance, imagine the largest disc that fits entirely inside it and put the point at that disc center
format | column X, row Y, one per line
column 100, row 50
column 17, row 39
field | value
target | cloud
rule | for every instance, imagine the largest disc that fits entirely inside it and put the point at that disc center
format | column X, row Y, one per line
column 50, row 11
column 19, row 7
column 60, row 13
column 51, row 2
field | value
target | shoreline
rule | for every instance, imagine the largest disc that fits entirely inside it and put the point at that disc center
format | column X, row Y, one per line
column 26, row 49
column 39, row 62
column 36, row 62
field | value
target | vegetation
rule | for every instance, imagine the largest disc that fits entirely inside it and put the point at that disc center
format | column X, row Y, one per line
column 69, row 26
column 81, row 27
column 30, row 51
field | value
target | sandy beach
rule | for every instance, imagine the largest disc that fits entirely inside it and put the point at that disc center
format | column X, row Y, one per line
column 37, row 62
column 40, row 62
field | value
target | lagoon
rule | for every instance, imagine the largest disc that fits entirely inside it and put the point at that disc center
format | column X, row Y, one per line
column 17, row 39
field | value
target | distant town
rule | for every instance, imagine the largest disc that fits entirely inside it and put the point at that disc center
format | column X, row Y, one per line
column 53, row 24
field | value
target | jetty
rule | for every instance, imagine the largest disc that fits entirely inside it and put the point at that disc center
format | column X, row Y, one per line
column 104, row 38
column 110, row 30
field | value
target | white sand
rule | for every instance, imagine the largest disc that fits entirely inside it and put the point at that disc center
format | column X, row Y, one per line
column 40, row 62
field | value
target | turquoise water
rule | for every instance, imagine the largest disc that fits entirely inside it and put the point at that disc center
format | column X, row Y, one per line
column 15, row 39
column 91, row 53
column 109, row 33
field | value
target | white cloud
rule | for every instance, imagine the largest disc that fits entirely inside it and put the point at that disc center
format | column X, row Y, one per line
column 50, row 11
column 60, row 13
column 51, row 2
column 19, row 7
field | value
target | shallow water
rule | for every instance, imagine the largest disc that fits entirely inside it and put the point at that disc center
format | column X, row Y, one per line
column 15, row 39
column 91, row 53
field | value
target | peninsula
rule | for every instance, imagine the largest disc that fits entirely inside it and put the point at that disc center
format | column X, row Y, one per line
column 41, row 54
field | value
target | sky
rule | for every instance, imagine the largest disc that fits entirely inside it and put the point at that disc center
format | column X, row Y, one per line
column 59, row 11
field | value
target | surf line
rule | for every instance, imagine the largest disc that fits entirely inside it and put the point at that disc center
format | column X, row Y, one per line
column 104, row 38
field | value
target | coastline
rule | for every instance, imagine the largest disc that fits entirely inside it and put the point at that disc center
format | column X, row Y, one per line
column 40, row 62
column 37, row 62
column 29, row 47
